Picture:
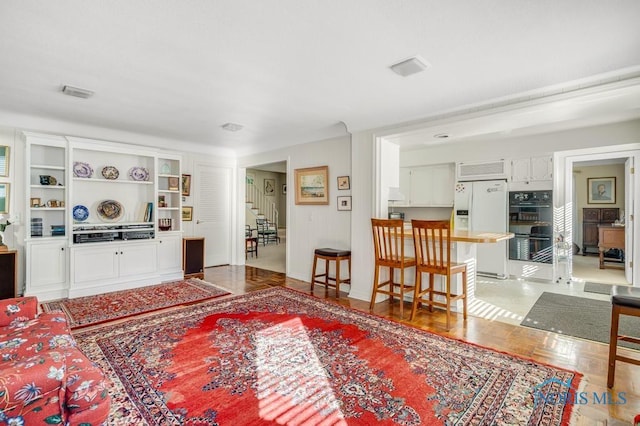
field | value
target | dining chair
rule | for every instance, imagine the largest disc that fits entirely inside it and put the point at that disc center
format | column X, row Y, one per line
column 432, row 245
column 388, row 242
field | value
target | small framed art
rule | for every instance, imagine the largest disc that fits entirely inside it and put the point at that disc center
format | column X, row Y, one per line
column 187, row 213
column 174, row 184
column 344, row 182
column 344, row 203
column 186, row 185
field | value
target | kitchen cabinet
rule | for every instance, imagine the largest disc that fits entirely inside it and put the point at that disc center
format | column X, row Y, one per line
column 532, row 169
column 591, row 218
column 47, row 269
column 109, row 264
column 427, row 186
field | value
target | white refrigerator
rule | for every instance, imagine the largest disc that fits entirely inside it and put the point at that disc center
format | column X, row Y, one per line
column 481, row 206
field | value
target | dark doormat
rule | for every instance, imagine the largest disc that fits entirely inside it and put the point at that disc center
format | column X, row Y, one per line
column 579, row 317
column 597, row 288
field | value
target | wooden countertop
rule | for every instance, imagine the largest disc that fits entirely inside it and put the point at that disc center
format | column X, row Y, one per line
column 471, row 237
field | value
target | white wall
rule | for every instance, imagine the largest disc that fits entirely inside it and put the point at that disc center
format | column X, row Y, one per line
column 310, row 226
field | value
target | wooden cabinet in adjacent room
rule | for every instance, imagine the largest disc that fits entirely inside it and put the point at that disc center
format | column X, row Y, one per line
column 591, row 218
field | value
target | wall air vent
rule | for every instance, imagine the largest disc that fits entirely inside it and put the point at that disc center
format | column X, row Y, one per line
column 481, row 171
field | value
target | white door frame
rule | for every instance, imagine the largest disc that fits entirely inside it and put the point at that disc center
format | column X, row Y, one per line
column 563, row 185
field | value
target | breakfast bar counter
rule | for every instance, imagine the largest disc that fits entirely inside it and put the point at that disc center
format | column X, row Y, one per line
column 464, row 247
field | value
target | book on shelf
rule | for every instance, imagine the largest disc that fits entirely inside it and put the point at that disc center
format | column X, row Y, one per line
column 148, row 213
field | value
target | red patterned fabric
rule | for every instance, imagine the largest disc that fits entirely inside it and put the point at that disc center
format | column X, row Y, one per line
column 44, row 377
column 21, row 307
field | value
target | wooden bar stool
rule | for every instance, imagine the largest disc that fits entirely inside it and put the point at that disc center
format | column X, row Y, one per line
column 625, row 300
column 330, row 255
column 432, row 243
column 388, row 242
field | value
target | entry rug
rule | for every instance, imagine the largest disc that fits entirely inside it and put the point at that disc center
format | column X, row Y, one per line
column 579, row 317
column 278, row 356
column 91, row 310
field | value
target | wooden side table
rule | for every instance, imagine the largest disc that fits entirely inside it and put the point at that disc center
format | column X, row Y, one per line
column 609, row 237
column 8, row 273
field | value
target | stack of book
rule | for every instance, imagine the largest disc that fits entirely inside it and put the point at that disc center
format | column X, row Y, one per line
column 36, row 227
column 57, row 230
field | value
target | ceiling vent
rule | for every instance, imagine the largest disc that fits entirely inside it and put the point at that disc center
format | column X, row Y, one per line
column 232, row 127
column 410, row 66
column 77, row 92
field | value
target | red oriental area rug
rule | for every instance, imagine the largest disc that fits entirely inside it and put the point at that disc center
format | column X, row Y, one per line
column 278, row 356
column 91, row 310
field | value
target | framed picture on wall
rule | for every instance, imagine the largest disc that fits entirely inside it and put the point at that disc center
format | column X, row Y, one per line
column 601, row 190
column 344, row 182
column 186, row 185
column 269, row 186
column 4, row 198
column 4, row 161
column 187, row 213
column 344, row 203
column 311, row 185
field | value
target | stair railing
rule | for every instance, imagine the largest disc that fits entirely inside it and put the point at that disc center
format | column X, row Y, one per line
column 262, row 203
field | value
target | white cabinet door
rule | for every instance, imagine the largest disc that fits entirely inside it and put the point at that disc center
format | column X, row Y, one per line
column 47, row 266
column 442, row 185
column 169, row 253
column 95, row 263
column 542, row 168
column 532, row 169
column 520, row 170
column 405, row 187
column 421, row 186
column 137, row 259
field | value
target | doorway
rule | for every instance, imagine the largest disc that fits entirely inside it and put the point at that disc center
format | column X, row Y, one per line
column 593, row 213
column 266, row 215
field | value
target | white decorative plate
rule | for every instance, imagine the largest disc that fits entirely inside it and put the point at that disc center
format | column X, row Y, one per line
column 139, row 174
column 82, row 170
column 110, row 172
column 110, row 210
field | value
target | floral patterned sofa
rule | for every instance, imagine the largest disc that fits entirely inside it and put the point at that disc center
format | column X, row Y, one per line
column 44, row 378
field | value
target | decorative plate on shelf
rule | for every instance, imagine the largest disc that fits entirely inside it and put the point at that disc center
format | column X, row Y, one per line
column 110, row 210
column 139, row 174
column 80, row 213
column 110, row 172
column 82, row 170
column 165, row 169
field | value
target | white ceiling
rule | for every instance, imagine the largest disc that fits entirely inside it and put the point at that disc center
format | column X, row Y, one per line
column 291, row 71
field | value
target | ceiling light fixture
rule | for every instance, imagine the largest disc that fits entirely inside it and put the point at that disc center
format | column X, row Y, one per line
column 232, row 127
column 441, row 135
column 410, row 66
column 77, row 92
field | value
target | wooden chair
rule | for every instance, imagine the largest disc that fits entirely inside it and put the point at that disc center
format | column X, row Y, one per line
column 388, row 241
column 625, row 300
column 432, row 243
column 267, row 231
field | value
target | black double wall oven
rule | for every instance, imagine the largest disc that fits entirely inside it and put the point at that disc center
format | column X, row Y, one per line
column 531, row 220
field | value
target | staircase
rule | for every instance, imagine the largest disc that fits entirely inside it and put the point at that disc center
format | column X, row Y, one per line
column 261, row 205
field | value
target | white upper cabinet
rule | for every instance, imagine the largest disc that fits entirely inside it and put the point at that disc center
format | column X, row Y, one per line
column 532, row 169
column 427, row 186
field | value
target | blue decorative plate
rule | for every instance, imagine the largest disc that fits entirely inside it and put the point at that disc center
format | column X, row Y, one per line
column 80, row 213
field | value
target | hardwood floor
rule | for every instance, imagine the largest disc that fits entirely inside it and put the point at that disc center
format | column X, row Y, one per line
column 586, row 357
